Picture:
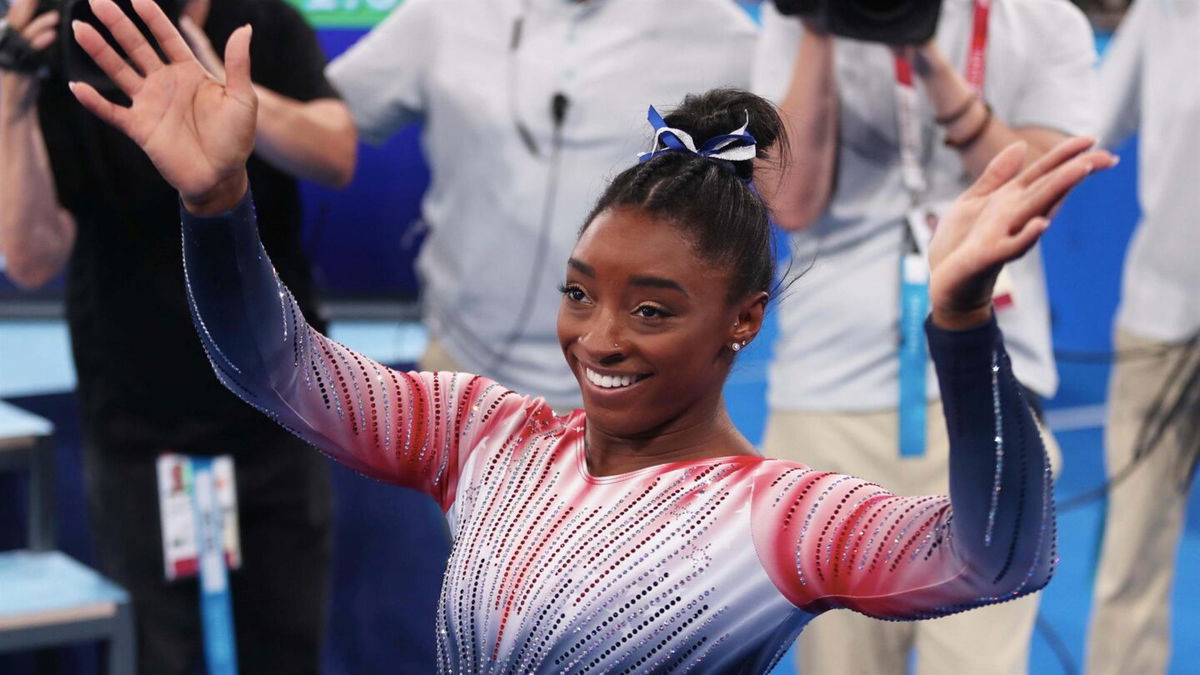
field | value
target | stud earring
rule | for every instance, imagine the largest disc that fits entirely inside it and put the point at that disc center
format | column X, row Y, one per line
column 737, row 346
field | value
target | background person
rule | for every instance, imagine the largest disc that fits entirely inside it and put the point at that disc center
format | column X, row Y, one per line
column 848, row 196
column 1152, row 439
column 527, row 108
column 75, row 193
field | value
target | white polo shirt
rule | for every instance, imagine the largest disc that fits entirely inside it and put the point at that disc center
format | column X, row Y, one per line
column 1149, row 80
column 451, row 63
column 839, row 322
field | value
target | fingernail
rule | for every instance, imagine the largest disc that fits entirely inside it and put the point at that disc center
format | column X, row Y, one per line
column 76, row 25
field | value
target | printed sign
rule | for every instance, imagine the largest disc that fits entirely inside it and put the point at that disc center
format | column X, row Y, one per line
column 345, row 13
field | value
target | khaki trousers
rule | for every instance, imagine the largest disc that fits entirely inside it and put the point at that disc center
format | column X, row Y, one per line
column 1130, row 630
column 436, row 359
column 993, row 639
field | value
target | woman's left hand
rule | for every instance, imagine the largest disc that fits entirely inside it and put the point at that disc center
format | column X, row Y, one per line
column 998, row 219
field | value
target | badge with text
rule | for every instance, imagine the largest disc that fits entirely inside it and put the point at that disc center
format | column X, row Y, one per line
column 178, row 511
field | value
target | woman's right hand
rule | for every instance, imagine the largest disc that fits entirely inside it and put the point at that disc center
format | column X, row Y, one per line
column 197, row 131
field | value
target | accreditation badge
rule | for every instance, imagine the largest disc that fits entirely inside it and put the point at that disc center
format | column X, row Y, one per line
column 182, row 511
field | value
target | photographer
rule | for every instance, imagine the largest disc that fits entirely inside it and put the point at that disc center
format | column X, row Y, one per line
column 884, row 130
column 76, row 193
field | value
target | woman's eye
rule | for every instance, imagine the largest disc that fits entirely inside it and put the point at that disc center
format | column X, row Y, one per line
column 573, row 293
column 650, row 312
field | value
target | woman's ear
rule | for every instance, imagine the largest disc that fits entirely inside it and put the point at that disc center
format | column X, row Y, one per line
column 749, row 319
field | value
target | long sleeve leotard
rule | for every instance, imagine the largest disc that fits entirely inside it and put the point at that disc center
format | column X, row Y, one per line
column 710, row 565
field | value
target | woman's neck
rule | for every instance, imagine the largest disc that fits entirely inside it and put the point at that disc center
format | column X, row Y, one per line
column 686, row 438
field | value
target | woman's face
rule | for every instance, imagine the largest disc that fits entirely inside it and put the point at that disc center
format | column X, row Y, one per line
column 646, row 324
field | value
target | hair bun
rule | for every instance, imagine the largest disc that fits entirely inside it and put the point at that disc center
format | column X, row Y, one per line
column 719, row 111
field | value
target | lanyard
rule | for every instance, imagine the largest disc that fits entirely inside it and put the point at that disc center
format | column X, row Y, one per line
column 907, row 100
column 914, row 267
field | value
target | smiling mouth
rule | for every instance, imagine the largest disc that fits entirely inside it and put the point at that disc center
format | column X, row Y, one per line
column 612, row 381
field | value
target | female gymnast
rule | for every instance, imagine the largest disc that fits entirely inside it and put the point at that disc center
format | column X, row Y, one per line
column 643, row 533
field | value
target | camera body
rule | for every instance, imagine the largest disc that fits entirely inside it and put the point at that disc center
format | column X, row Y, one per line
column 895, row 22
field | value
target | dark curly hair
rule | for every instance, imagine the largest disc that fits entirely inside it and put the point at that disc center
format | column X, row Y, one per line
column 712, row 201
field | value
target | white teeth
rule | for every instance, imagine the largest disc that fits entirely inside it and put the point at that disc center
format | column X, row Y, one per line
column 609, row 381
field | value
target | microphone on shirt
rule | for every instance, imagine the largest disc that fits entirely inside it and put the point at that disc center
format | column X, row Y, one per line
column 558, row 108
column 558, row 114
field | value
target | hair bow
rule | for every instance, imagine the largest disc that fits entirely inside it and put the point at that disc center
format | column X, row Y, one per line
column 735, row 146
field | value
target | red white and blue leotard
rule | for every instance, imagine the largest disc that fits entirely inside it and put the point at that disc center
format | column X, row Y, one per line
column 711, row 565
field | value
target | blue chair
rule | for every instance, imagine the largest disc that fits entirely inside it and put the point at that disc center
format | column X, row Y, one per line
column 49, row 598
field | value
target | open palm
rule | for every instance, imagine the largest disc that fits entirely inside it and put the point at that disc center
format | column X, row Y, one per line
column 197, row 131
column 999, row 218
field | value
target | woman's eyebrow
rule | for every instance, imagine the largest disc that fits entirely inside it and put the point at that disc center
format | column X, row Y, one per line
column 583, row 267
column 656, row 282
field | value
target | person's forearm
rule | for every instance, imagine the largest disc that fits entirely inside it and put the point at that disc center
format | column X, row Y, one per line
column 1000, row 484
column 798, row 196
column 981, row 134
column 314, row 141
column 36, row 233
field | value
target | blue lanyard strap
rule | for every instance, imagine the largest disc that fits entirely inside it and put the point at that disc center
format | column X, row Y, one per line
column 216, row 612
column 914, row 307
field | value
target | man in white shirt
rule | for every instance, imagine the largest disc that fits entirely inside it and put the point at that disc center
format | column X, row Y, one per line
column 529, row 106
column 835, row 385
column 1148, row 81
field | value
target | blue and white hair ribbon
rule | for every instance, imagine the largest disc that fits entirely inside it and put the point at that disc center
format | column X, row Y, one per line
column 735, row 146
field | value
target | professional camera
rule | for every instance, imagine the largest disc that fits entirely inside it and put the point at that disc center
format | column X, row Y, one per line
column 65, row 59
column 896, row 22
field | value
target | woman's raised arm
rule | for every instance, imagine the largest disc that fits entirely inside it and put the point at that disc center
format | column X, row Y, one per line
column 831, row 541
column 412, row 429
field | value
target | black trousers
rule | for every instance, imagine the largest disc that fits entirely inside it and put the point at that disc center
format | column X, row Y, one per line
column 279, row 595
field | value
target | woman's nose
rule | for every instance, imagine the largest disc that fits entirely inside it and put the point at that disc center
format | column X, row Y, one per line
column 603, row 340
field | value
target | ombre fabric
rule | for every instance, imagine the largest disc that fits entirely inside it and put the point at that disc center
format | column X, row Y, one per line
column 711, row 565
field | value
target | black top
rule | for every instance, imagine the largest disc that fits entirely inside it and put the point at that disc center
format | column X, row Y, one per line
column 144, row 381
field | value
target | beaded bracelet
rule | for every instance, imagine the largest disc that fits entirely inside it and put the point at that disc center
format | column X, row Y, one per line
column 958, row 112
column 974, row 135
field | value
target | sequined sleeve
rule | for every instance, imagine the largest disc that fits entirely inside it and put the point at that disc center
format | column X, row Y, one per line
column 831, row 541
column 412, row 429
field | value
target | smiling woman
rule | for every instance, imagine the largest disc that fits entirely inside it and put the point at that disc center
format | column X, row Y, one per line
column 643, row 533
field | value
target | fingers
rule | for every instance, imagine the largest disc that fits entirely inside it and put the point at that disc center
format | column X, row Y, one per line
column 117, row 69
column 100, row 106
column 1057, row 155
column 41, row 32
column 999, row 171
column 237, row 66
column 168, row 38
column 1024, row 239
column 127, row 35
column 1052, row 187
column 20, row 13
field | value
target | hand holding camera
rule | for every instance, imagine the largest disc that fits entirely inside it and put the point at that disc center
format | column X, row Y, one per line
column 25, row 35
column 896, row 22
